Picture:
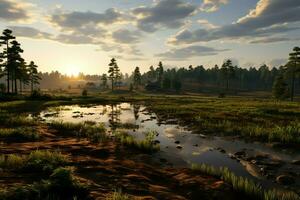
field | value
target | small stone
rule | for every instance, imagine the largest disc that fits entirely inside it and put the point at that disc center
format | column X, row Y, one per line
column 179, row 147
column 240, row 153
column 296, row 162
column 285, row 180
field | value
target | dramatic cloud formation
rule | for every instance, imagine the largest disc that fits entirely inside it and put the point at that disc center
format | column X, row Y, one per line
column 13, row 10
column 269, row 17
column 126, row 36
column 81, row 19
column 164, row 14
column 212, row 5
column 189, row 52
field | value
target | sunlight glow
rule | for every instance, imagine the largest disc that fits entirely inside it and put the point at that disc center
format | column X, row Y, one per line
column 72, row 70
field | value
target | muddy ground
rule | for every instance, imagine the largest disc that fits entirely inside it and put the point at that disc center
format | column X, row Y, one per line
column 109, row 166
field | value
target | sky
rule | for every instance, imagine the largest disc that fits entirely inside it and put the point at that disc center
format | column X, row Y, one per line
column 74, row 36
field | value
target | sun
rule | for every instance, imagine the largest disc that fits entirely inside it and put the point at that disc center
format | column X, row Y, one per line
column 73, row 70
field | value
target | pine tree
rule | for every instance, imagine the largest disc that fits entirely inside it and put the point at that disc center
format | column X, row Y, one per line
column 33, row 75
column 137, row 77
column 15, row 63
column 280, row 89
column 227, row 72
column 114, row 73
column 160, row 73
column 5, row 40
column 104, row 81
column 293, row 68
column 111, row 72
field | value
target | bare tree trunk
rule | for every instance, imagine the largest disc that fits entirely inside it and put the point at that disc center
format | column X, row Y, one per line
column 7, row 68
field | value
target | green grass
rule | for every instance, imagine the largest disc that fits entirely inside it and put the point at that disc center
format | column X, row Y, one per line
column 19, row 134
column 37, row 161
column 60, row 185
column 244, row 185
column 13, row 120
column 248, row 118
column 90, row 130
column 146, row 145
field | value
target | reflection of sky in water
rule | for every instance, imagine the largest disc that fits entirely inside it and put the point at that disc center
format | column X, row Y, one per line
column 196, row 149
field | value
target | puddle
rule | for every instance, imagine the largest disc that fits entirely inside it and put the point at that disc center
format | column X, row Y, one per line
column 195, row 148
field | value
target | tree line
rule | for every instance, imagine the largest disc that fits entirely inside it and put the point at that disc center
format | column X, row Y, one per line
column 13, row 66
column 281, row 80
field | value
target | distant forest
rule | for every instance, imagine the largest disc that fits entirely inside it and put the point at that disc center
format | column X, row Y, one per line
column 194, row 79
column 16, row 75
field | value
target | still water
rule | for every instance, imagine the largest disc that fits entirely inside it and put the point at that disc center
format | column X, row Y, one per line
column 179, row 146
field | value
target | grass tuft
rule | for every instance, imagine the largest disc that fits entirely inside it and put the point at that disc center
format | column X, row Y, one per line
column 147, row 145
column 93, row 132
column 244, row 185
column 118, row 195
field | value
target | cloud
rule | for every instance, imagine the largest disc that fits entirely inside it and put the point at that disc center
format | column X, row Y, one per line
column 13, row 10
column 273, row 40
column 163, row 14
column 212, row 5
column 126, row 36
column 75, row 19
column 189, row 52
column 206, row 24
column 268, row 18
column 25, row 31
column 75, row 39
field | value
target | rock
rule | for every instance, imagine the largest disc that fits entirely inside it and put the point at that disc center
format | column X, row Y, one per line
column 177, row 142
column 285, row 180
column 296, row 162
column 156, row 142
column 252, row 169
column 179, row 147
column 240, row 153
column 231, row 156
column 221, row 150
column 195, row 145
column 202, row 136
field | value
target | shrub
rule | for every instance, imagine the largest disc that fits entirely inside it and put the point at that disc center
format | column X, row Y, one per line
column 38, row 161
column 61, row 185
column 84, row 93
column 19, row 134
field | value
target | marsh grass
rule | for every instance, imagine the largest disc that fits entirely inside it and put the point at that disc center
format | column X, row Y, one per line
column 239, row 116
column 146, row 145
column 13, row 120
column 244, row 185
column 118, row 195
column 90, row 130
column 37, row 161
column 61, row 184
column 19, row 134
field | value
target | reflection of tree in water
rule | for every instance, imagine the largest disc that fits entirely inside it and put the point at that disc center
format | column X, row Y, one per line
column 136, row 110
column 114, row 115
